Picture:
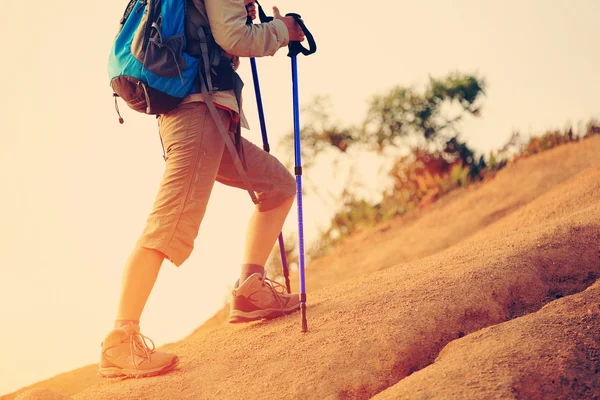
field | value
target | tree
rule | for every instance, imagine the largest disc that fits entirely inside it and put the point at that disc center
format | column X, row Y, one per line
column 430, row 117
column 406, row 112
column 320, row 133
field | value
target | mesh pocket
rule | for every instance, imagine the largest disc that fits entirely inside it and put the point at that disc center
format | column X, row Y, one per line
column 164, row 57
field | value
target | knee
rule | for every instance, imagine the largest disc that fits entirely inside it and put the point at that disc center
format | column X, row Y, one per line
column 289, row 185
column 282, row 195
column 287, row 189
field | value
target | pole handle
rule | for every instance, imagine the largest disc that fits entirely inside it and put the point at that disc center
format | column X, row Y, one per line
column 296, row 48
column 261, row 14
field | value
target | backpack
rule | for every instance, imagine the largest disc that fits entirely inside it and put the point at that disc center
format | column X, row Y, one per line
column 150, row 66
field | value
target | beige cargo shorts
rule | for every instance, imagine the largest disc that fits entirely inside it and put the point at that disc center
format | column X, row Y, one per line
column 196, row 157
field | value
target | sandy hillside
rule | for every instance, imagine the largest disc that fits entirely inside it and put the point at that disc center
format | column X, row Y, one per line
column 553, row 353
column 385, row 303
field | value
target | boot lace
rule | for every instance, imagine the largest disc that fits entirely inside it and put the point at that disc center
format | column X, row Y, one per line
column 138, row 346
column 276, row 288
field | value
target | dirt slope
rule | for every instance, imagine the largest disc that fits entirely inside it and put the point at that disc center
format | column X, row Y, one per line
column 552, row 354
column 478, row 258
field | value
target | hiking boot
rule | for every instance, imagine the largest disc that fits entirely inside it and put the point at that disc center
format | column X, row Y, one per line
column 259, row 297
column 125, row 352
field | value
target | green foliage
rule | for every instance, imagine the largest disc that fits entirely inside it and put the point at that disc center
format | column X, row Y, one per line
column 426, row 115
column 459, row 176
column 460, row 151
column 407, row 112
column 320, row 133
column 592, row 128
column 554, row 138
column 547, row 141
column 493, row 160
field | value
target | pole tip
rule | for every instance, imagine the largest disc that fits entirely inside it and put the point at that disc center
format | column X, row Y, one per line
column 303, row 314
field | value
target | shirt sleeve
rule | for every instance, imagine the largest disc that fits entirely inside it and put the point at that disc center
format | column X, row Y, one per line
column 227, row 20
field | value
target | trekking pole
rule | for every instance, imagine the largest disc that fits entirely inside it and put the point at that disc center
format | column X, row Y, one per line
column 296, row 48
column 265, row 139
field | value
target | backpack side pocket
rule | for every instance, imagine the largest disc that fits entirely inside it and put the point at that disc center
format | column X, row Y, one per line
column 164, row 56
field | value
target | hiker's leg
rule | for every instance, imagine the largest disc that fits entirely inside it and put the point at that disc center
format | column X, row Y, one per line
column 139, row 276
column 275, row 188
column 194, row 152
column 194, row 149
column 263, row 229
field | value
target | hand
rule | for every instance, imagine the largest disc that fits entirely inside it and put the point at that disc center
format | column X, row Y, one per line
column 296, row 33
column 250, row 8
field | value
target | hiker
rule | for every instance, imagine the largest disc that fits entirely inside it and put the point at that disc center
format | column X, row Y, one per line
column 195, row 157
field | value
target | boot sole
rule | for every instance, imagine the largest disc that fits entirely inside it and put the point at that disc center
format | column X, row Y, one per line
column 116, row 372
column 237, row 317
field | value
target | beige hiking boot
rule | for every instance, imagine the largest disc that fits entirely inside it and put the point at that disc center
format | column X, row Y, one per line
column 259, row 297
column 125, row 352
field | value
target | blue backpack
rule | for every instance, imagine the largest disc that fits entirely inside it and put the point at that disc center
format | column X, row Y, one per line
column 150, row 66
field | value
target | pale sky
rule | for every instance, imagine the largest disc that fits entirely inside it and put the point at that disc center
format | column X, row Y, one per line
column 76, row 186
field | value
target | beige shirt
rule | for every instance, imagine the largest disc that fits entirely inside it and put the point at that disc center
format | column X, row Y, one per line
column 227, row 20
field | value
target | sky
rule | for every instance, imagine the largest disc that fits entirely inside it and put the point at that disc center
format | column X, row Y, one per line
column 76, row 187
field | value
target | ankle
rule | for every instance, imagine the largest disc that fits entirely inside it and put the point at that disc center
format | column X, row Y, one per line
column 119, row 323
column 249, row 269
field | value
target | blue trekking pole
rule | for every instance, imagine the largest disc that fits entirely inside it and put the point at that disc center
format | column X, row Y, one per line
column 296, row 48
column 265, row 139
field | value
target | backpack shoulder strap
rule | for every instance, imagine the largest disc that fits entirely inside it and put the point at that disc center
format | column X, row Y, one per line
column 203, row 39
column 227, row 139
